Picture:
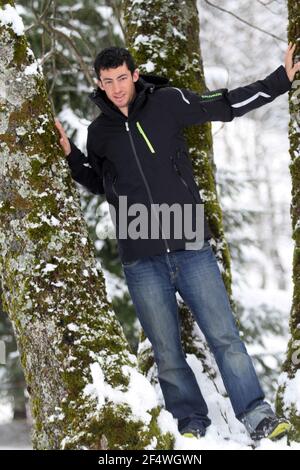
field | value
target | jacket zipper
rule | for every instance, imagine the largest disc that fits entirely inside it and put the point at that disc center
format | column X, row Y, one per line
column 142, row 132
column 145, row 182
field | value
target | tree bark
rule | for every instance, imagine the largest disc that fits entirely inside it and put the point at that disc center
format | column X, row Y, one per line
column 288, row 391
column 75, row 357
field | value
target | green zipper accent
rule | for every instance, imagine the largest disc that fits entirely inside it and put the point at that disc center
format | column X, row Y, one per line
column 145, row 137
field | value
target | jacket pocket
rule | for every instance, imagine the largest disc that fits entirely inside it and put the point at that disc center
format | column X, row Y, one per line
column 110, row 177
column 109, row 184
column 185, row 174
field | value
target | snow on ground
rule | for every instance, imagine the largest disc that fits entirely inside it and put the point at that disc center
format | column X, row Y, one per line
column 225, row 432
column 219, row 436
column 13, row 434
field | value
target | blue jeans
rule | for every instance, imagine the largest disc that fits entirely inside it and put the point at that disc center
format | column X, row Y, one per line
column 152, row 282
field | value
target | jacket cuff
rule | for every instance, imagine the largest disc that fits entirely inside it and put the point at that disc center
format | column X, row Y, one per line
column 75, row 157
column 282, row 82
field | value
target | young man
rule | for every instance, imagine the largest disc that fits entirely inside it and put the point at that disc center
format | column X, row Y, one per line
column 136, row 151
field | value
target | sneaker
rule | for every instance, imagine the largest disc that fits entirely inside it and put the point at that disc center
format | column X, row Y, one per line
column 193, row 433
column 272, row 428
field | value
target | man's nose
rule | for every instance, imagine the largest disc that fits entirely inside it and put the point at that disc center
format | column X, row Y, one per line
column 116, row 88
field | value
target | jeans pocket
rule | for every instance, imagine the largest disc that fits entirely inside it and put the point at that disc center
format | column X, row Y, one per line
column 129, row 264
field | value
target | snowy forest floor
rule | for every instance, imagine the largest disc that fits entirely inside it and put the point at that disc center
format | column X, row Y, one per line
column 15, row 435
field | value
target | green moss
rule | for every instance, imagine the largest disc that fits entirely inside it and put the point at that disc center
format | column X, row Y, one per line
column 20, row 52
column 145, row 362
column 6, row 2
column 42, row 230
column 115, row 427
column 164, row 441
column 36, row 406
column 33, row 108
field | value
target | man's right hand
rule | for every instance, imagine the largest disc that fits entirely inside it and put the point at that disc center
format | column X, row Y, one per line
column 64, row 141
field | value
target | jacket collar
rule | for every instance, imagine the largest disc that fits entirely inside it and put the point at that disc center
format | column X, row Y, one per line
column 144, row 85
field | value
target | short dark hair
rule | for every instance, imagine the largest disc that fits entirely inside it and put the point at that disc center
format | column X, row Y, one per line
column 113, row 57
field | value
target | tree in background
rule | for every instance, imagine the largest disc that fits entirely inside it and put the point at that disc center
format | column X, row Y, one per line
column 288, row 391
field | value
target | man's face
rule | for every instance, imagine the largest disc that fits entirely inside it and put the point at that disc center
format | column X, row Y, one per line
column 118, row 84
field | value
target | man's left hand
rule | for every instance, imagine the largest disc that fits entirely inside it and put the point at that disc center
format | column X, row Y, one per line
column 291, row 68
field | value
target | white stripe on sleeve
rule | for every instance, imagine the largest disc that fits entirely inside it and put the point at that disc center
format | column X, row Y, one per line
column 183, row 97
column 252, row 98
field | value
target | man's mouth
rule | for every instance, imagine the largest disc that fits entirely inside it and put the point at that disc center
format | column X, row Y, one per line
column 118, row 98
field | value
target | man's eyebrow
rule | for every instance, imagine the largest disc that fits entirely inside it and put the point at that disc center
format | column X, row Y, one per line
column 123, row 75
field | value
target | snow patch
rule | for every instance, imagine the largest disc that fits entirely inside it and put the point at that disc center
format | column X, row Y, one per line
column 49, row 267
column 291, row 395
column 32, row 69
column 10, row 17
column 140, row 395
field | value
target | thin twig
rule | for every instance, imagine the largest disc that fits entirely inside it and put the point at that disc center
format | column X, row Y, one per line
column 85, row 70
column 266, row 5
column 46, row 57
column 245, row 21
column 117, row 10
column 71, row 27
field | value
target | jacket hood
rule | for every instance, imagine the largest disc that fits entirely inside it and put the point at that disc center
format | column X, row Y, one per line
column 144, row 85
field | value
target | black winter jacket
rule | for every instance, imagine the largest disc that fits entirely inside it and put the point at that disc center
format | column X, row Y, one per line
column 145, row 156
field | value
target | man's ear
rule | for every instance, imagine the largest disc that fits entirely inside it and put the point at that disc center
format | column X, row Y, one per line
column 136, row 75
column 99, row 83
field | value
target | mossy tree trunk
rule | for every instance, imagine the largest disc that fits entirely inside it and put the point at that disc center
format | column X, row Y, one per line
column 288, row 392
column 163, row 37
column 75, row 357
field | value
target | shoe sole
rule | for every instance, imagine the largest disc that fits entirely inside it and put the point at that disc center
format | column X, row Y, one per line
column 281, row 430
column 190, row 435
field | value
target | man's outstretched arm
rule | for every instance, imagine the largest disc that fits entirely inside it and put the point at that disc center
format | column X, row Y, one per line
column 81, row 169
column 190, row 108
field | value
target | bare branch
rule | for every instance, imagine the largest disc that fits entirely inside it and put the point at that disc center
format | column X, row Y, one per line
column 46, row 57
column 71, row 27
column 84, row 68
column 245, row 21
column 266, row 5
column 47, row 7
column 53, row 59
column 117, row 11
